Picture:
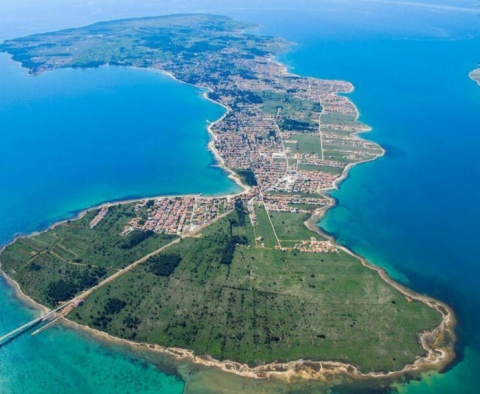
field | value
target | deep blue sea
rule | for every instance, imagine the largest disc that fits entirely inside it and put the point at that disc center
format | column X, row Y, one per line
column 71, row 139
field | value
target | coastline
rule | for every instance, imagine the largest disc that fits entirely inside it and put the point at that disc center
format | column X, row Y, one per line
column 436, row 357
column 475, row 75
column 220, row 163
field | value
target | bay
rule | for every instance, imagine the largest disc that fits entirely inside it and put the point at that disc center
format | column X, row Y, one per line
column 75, row 138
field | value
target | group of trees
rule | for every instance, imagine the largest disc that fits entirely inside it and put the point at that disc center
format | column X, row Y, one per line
column 240, row 210
column 229, row 250
column 164, row 264
column 288, row 124
column 61, row 290
column 248, row 175
column 112, row 307
column 65, row 289
column 135, row 237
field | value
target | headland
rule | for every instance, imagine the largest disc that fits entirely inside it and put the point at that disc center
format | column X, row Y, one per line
column 246, row 283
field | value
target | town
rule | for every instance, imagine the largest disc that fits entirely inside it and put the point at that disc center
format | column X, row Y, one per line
column 293, row 136
column 247, row 280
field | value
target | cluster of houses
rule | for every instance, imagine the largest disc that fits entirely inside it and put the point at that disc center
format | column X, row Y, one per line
column 312, row 181
column 288, row 202
column 248, row 140
column 208, row 209
column 314, row 246
column 334, row 104
column 304, row 182
column 253, row 134
column 177, row 215
column 99, row 217
column 314, row 159
column 169, row 215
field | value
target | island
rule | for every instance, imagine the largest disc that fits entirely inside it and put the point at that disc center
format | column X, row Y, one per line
column 475, row 75
column 245, row 282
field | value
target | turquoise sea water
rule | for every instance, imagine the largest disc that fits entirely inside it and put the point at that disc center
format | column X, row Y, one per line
column 64, row 361
column 415, row 211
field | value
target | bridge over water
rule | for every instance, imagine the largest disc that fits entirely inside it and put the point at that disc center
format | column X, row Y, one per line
column 64, row 309
column 26, row 327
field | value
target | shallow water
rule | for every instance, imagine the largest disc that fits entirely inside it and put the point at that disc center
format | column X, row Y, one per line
column 61, row 360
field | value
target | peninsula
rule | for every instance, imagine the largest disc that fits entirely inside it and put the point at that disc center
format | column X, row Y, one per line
column 247, row 283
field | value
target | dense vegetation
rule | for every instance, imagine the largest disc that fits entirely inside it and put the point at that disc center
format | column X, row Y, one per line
column 114, row 305
column 164, row 264
column 141, row 42
column 247, row 176
column 136, row 237
column 231, row 299
column 296, row 125
column 230, row 292
column 230, row 245
column 60, row 290
column 56, row 265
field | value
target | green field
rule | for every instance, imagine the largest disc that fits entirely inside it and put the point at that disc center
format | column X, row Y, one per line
column 76, row 256
column 221, row 292
column 220, row 295
column 329, row 170
column 306, row 143
column 291, row 227
column 264, row 227
column 339, row 119
column 288, row 107
column 257, row 305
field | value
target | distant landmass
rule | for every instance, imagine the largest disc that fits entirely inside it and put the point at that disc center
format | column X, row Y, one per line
column 475, row 75
column 243, row 282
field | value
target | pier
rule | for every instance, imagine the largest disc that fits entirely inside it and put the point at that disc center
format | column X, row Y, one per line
column 53, row 314
column 66, row 308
